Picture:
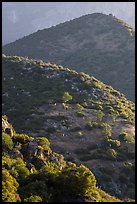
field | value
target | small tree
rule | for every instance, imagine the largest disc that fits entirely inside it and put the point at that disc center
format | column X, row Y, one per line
column 66, row 97
column 76, row 181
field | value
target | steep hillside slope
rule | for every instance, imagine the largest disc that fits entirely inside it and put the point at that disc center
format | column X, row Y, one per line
column 32, row 172
column 85, row 120
column 97, row 44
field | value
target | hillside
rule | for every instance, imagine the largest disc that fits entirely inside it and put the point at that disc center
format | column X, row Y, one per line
column 33, row 172
column 85, row 120
column 97, row 44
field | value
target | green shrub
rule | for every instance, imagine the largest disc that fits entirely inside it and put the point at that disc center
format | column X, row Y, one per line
column 33, row 198
column 7, row 161
column 66, row 97
column 80, row 113
column 19, row 170
column 106, row 129
column 111, row 154
column 79, row 107
column 76, row 181
column 108, row 109
column 9, row 187
column 36, row 186
column 65, row 106
column 92, row 125
column 7, row 143
column 43, row 142
column 126, row 137
column 122, row 136
column 113, row 143
column 100, row 115
column 21, row 138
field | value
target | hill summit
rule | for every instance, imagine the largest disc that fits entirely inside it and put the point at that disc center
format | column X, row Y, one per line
column 97, row 44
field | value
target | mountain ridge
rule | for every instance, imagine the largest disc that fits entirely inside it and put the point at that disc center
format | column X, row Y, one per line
column 98, row 44
column 103, row 14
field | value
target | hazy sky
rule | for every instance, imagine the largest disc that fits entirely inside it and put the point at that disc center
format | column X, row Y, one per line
column 23, row 18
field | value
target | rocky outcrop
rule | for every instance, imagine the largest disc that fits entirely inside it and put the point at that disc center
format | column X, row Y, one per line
column 6, row 127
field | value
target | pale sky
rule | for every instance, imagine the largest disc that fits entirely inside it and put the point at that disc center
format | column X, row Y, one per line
column 23, row 18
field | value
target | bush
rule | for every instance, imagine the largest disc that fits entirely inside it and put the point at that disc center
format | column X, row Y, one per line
column 33, row 198
column 113, row 143
column 100, row 115
column 7, row 142
column 76, row 181
column 21, row 138
column 79, row 107
column 107, row 130
column 122, row 136
column 36, row 187
column 92, row 125
column 111, row 154
column 66, row 97
column 9, row 187
column 126, row 137
column 109, row 109
column 19, row 170
column 80, row 113
column 43, row 142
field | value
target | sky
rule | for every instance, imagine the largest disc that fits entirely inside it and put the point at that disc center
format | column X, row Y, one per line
column 23, row 18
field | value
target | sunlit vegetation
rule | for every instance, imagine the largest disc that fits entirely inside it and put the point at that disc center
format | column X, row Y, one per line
column 87, row 121
column 54, row 179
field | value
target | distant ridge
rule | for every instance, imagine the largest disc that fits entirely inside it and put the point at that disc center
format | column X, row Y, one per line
column 98, row 44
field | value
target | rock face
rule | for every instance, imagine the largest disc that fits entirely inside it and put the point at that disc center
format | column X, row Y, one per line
column 97, row 44
column 6, row 126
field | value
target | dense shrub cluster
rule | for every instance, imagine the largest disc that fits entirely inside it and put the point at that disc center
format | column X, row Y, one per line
column 105, row 127
column 50, row 181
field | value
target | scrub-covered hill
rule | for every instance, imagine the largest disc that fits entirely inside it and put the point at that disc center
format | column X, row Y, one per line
column 97, row 44
column 87, row 121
